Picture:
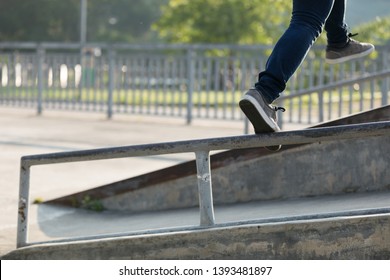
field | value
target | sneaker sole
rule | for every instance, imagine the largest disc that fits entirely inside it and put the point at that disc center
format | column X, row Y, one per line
column 348, row 58
column 258, row 118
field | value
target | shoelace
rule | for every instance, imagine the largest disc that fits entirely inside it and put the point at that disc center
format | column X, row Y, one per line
column 350, row 35
column 279, row 109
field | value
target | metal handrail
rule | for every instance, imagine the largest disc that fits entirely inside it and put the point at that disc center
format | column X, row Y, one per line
column 201, row 148
column 335, row 85
column 132, row 46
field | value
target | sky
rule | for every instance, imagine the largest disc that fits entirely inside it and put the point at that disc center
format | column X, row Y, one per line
column 360, row 11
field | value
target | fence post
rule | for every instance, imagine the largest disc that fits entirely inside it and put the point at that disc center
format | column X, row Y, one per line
column 111, row 82
column 190, row 82
column 386, row 81
column 40, row 61
column 280, row 116
column 320, row 106
column 246, row 125
column 205, row 188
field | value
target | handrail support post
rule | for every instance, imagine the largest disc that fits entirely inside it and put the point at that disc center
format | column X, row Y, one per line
column 24, row 190
column 205, row 188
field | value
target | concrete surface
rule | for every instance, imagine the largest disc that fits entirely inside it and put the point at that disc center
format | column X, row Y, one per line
column 57, row 223
column 355, row 226
column 353, row 238
column 24, row 133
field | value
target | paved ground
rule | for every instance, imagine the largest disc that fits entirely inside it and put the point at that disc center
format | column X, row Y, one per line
column 24, row 133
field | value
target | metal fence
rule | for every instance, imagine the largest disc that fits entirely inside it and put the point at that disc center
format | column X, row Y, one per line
column 188, row 81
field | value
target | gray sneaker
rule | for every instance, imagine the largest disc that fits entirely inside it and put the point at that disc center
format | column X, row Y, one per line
column 352, row 50
column 261, row 114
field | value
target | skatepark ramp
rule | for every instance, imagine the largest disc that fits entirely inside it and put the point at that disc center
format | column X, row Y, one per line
column 242, row 175
column 201, row 149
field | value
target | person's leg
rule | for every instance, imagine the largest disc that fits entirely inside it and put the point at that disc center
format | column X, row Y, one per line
column 341, row 47
column 309, row 18
column 335, row 26
column 307, row 22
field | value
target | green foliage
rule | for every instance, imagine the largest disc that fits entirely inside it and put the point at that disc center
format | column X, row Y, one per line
column 92, row 204
column 243, row 22
column 38, row 200
column 376, row 32
column 59, row 20
column 223, row 21
column 176, row 21
column 122, row 20
column 38, row 20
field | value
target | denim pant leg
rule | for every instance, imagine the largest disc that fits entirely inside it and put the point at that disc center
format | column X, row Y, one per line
column 307, row 22
column 335, row 26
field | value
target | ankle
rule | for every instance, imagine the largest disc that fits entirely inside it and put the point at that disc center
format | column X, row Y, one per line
column 268, row 99
column 341, row 45
column 338, row 46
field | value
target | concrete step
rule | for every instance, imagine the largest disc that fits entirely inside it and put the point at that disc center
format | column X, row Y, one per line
column 353, row 226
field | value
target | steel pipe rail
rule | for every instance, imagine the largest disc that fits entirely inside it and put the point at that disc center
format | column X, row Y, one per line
column 213, row 144
column 335, row 85
column 128, row 46
column 201, row 148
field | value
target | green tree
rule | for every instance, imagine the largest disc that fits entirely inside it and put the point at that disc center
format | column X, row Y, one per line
column 376, row 32
column 122, row 20
column 59, row 20
column 38, row 20
column 223, row 21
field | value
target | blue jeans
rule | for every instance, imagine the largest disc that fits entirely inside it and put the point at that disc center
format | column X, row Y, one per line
column 309, row 17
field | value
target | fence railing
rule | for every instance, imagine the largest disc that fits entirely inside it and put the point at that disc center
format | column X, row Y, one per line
column 201, row 148
column 187, row 81
column 336, row 99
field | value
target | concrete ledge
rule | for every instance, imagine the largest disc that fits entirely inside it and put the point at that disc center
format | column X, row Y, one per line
column 348, row 166
column 363, row 237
